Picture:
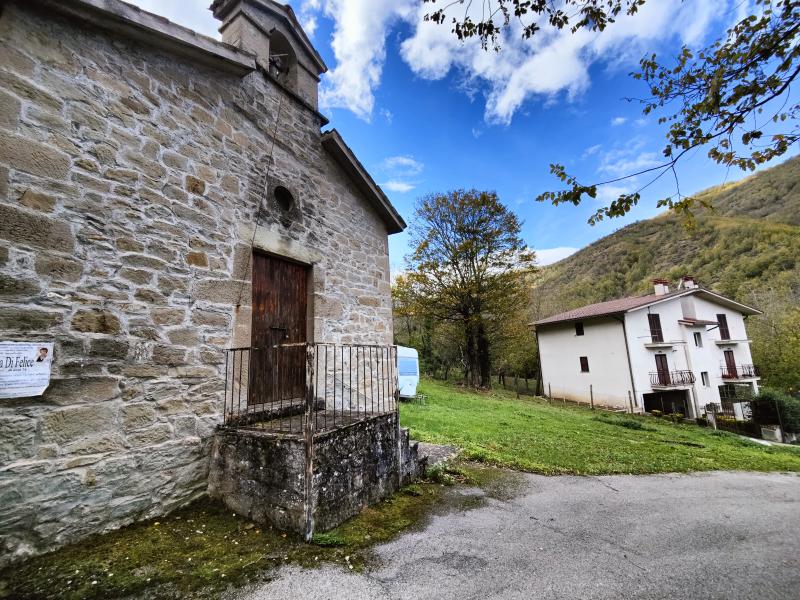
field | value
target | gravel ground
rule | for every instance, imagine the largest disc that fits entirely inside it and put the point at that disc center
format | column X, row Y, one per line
column 711, row 535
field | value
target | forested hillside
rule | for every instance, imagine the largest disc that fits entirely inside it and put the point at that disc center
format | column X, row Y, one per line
column 747, row 247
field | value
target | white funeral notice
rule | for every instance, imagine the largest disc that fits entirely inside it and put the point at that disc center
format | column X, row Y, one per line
column 24, row 368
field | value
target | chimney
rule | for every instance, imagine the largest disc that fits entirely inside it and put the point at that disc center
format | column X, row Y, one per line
column 688, row 282
column 661, row 286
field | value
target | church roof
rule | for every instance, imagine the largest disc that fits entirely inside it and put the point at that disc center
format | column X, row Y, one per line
column 332, row 142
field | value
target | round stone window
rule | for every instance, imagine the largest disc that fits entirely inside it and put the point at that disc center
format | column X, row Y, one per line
column 283, row 198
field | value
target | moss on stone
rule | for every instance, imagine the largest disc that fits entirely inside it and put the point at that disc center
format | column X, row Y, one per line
column 203, row 549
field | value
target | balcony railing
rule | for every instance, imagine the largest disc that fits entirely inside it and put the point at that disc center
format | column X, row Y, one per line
column 656, row 335
column 740, row 372
column 671, row 378
column 309, row 387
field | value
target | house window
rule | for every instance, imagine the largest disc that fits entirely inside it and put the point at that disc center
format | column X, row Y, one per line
column 584, row 364
column 724, row 332
column 579, row 328
column 656, row 335
column 704, row 378
column 698, row 339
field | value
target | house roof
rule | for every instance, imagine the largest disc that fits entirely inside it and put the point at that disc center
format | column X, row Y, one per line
column 332, row 142
column 623, row 305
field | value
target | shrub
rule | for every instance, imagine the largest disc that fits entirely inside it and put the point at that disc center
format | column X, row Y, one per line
column 788, row 407
column 656, row 413
column 675, row 417
column 702, row 421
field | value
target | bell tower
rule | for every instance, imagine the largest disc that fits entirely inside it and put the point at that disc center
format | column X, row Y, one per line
column 271, row 31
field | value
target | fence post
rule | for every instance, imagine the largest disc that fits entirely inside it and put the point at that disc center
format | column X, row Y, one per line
column 397, row 420
column 549, row 392
column 780, row 420
column 591, row 396
column 516, row 385
column 630, row 401
column 308, row 438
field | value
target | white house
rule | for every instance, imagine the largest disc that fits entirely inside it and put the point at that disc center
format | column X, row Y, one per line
column 672, row 351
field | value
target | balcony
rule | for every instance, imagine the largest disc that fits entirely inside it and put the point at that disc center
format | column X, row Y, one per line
column 671, row 379
column 657, row 339
column 740, row 372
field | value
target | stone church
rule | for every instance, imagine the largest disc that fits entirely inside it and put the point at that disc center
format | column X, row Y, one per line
column 148, row 175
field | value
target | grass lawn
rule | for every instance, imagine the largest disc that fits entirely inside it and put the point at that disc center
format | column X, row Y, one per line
column 533, row 435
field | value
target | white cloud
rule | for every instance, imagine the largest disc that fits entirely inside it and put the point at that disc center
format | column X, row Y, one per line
column 591, row 151
column 401, row 172
column 406, row 165
column 551, row 67
column 547, row 256
column 193, row 14
column 398, row 186
column 552, row 64
column 617, row 121
column 387, row 114
column 359, row 45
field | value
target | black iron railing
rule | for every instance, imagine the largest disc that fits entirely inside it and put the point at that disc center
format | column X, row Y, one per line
column 740, row 372
column 671, row 378
column 290, row 388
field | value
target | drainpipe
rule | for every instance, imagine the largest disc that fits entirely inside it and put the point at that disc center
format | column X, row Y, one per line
column 692, row 390
column 628, row 355
column 539, row 383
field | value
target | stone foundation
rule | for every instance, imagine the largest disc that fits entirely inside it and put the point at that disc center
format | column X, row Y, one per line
column 262, row 476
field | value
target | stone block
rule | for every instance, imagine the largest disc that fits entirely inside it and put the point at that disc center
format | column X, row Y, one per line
column 211, row 318
column 197, row 259
column 137, row 276
column 13, row 287
column 9, row 111
column 185, row 336
column 17, row 439
column 169, row 355
column 31, row 229
column 109, row 348
column 94, row 444
column 59, row 268
column 157, row 434
column 81, row 389
column 195, row 186
column 37, row 201
column 68, row 424
column 28, row 320
column 137, row 416
column 175, row 160
column 222, row 291
column 27, row 155
column 168, row 316
column 96, row 321
column 126, row 244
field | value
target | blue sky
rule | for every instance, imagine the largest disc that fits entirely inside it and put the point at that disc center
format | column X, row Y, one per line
column 425, row 113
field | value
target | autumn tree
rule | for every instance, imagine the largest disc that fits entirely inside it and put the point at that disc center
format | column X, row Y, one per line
column 467, row 271
column 734, row 98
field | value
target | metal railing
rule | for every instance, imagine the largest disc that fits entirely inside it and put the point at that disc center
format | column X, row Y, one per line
column 740, row 372
column 656, row 335
column 290, row 388
column 671, row 378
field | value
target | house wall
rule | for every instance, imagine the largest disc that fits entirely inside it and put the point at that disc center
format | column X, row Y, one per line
column 684, row 355
column 603, row 343
column 129, row 180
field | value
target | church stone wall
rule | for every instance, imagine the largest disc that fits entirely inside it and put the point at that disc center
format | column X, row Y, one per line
column 129, row 181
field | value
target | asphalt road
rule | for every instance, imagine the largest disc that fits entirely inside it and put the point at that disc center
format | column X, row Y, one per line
column 713, row 535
